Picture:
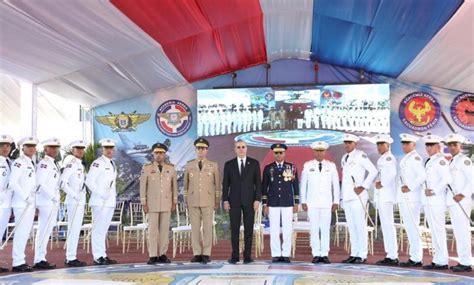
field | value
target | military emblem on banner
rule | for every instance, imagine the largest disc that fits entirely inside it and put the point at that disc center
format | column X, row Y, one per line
column 173, row 118
column 419, row 111
column 462, row 111
column 123, row 122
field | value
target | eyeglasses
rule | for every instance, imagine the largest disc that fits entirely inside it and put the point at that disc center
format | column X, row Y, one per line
column 278, row 152
column 241, row 147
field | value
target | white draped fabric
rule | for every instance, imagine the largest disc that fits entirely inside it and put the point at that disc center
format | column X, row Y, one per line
column 448, row 60
column 86, row 50
column 288, row 28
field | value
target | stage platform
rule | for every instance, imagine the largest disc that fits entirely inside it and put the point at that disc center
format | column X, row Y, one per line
column 132, row 269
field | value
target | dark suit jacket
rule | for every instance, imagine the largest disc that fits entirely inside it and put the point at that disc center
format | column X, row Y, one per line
column 242, row 190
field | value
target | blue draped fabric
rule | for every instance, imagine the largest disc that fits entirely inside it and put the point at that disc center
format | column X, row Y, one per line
column 380, row 36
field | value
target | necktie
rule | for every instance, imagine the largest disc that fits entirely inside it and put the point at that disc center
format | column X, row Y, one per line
column 160, row 167
column 241, row 166
column 347, row 156
column 9, row 164
column 320, row 167
column 200, row 165
column 32, row 162
column 279, row 166
column 427, row 160
column 113, row 165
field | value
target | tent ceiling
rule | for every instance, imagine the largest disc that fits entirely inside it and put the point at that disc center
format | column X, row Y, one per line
column 98, row 51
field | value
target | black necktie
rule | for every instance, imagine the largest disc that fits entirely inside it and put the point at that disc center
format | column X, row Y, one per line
column 427, row 161
column 200, row 165
column 32, row 162
column 113, row 165
column 347, row 156
column 160, row 167
column 9, row 164
column 241, row 166
column 320, row 167
column 279, row 166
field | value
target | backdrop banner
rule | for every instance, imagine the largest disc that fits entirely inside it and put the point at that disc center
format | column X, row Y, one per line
column 170, row 117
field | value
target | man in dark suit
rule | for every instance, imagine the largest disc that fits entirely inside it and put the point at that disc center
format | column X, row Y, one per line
column 241, row 193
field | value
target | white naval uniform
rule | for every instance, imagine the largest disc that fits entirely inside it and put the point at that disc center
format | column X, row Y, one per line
column 23, row 183
column 413, row 176
column 319, row 190
column 384, row 199
column 462, row 173
column 259, row 119
column 437, row 178
column 5, row 194
column 356, row 166
column 47, row 203
column 72, row 183
column 101, row 181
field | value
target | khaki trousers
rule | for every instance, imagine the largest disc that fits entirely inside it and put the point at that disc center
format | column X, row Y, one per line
column 201, row 240
column 158, row 233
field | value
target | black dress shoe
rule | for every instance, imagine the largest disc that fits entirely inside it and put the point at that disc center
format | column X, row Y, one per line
column 434, row 266
column 164, row 259
column 22, row 268
column 324, row 259
column 110, row 261
column 316, row 259
column 275, row 259
column 205, row 259
column 196, row 258
column 286, row 259
column 101, row 261
column 360, row 260
column 248, row 260
column 74, row 263
column 43, row 264
column 152, row 260
column 350, row 259
column 3, row 270
column 410, row 263
column 461, row 268
column 232, row 260
column 387, row 261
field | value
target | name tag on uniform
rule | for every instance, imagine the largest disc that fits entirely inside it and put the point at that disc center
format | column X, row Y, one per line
column 312, row 169
column 107, row 168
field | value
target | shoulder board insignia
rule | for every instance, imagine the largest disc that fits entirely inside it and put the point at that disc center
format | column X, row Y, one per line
column 389, row 158
column 148, row 164
column 191, row 160
column 467, row 162
column 364, row 155
column 417, row 158
column 69, row 165
column 170, row 164
column 442, row 162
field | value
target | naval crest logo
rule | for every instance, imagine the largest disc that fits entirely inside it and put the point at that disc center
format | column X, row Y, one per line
column 462, row 111
column 419, row 111
column 173, row 118
column 123, row 122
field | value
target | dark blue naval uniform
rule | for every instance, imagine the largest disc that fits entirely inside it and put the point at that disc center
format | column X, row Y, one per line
column 276, row 192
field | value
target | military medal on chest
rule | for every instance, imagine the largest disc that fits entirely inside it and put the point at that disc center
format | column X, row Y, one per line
column 288, row 173
column 272, row 170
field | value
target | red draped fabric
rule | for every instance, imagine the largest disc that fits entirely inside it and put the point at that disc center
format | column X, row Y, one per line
column 202, row 38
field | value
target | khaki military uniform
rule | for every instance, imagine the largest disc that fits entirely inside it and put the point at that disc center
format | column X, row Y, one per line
column 201, row 191
column 158, row 190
